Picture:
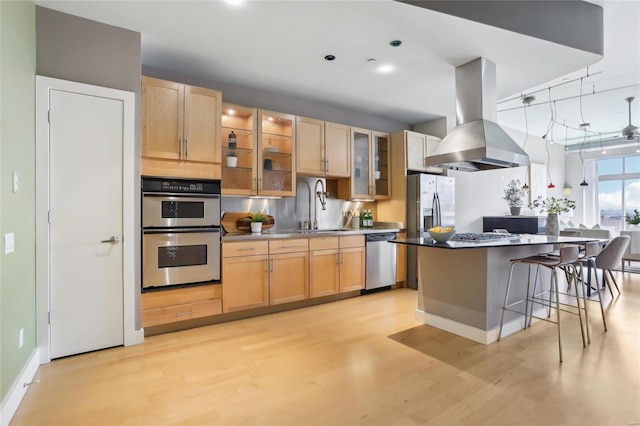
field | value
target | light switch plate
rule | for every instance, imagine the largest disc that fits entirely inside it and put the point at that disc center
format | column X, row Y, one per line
column 9, row 243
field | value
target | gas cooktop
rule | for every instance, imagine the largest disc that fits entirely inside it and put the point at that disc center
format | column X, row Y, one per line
column 472, row 236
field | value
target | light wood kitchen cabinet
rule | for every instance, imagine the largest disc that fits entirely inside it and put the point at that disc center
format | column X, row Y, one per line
column 168, row 306
column 352, row 263
column 336, row 265
column 324, row 266
column 407, row 155
column 276, row 154
column 416, row 147
column 245, row 275
column 265, row 150
column 371, row 168
column 324, row 148
column 180, row 130
column 288, row 270
column 240, row 178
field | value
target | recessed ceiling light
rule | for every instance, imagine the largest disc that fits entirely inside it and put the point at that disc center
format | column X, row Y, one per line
column 396, row 43
column 234, row 2
column 371, row 60
column 329, row 57
column 386, row 68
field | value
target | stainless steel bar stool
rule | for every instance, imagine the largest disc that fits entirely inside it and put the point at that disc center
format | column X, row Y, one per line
column 592, row 249
column 568, row 259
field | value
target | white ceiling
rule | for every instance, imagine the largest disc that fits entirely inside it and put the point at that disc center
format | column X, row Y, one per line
column 280, row 46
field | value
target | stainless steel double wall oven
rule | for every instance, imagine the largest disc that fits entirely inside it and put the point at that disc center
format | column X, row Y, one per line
column 181, row 235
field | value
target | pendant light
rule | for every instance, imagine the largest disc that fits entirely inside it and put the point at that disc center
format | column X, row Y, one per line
column 526, row 100
column 584, row 127
column 546, row 138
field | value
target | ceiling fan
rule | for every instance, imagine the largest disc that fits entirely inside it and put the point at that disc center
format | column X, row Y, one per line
column 630, row 131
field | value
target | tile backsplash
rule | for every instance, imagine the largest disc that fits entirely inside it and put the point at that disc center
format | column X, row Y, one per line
column 289, row 212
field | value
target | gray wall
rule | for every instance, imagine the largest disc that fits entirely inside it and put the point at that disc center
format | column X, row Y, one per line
column 577, row 24
column 17, row 213
column 281, row 103
column 76, row 49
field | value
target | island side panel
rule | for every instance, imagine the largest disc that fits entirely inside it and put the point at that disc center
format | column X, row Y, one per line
column 453, row 284
column 462, row 290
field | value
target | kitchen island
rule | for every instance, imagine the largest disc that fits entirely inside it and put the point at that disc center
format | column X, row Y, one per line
column 461, row 284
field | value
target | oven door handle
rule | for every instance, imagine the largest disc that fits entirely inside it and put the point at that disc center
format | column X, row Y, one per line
column 178, row 230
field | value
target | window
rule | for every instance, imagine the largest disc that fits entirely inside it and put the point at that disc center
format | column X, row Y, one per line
column 618, row 190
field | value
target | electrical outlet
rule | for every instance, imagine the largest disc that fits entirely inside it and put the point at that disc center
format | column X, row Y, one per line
column 9, row 243
column 21, row 337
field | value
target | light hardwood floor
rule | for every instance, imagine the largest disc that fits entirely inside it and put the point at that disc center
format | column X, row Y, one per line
column 357, row 361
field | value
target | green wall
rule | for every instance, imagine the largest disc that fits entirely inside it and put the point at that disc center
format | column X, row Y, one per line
column 17, row 210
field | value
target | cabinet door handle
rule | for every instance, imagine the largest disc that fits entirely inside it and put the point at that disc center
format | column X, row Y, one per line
column 180, row 148
column 246, row 249
column 186, row 148
column 273, row 265
column 289, row 245
column 259, row 184
column 327, row 166
column 179, row 314
column 255, row 185
column 266, row 266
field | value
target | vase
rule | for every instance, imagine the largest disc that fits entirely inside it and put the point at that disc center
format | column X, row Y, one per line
column 256, row 227
column 552, row 224
column 515, row 211
column 232, row 161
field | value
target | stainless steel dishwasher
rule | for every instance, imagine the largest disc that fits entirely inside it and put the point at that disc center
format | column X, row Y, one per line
column 381, row 260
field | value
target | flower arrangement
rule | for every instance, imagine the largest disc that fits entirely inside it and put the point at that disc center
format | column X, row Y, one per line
column 553, row 205
column 514, row 193
column 633, row 219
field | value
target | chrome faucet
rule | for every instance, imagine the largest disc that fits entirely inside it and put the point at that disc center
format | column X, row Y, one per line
column 322, row 195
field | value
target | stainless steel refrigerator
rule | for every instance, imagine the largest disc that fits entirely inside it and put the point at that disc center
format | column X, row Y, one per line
column 431, row 201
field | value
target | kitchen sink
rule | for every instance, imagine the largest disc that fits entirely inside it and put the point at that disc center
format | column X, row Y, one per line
column 317, row 231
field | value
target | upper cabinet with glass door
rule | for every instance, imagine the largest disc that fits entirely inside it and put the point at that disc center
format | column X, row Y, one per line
column 239, row 143
column 370, row 174
column 381, row 166
column 276, row 154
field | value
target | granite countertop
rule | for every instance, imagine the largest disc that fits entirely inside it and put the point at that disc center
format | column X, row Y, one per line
column 512, row 240
column 297, row 233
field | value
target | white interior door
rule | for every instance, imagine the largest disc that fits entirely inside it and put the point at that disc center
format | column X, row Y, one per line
column 85, row 199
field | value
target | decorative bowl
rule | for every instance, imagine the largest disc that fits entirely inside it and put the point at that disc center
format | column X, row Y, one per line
column 441, row 237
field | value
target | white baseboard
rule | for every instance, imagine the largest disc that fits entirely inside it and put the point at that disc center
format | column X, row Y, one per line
column 136, row 338
column 472, row 333
column 18, row 389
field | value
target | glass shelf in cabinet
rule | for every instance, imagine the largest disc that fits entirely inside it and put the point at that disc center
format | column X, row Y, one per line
column 279, row 171
column 237, row 168
column 237, row 130
column 276, row 137
column 239, row 151
column 275, row 154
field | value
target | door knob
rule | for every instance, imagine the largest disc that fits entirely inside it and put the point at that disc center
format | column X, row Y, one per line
column 112, row 240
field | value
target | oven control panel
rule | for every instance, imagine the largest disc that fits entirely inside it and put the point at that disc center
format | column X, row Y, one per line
column 180, row 186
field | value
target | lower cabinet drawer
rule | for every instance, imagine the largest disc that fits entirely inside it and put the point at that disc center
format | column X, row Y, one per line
column 176, row 313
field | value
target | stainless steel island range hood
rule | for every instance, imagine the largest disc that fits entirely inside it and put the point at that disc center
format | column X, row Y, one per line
column 477, row 143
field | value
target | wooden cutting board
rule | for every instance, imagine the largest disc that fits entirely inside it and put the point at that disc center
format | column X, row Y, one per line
column 231, row 222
